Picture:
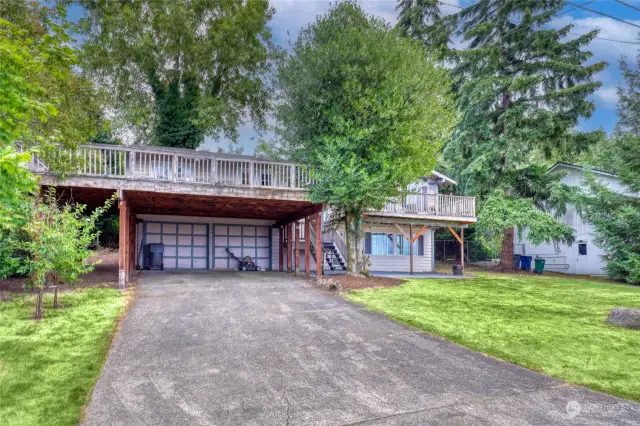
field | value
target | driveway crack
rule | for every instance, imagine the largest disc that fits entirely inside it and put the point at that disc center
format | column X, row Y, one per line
column 286, row 398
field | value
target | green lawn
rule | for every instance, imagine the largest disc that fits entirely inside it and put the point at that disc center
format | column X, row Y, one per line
column 550, row 324
column 48, row 368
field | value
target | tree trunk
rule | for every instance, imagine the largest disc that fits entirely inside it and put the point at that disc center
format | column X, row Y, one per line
column 37, row 315
column 55, row 297
column 352, row 267
column 506, row 258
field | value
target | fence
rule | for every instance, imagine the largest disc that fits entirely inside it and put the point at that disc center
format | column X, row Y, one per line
column 449, row 250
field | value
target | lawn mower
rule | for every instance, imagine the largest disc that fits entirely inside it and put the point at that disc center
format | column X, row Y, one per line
column 246, row 263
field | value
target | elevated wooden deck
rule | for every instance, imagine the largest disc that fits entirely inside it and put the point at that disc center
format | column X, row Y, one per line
column 178, row 171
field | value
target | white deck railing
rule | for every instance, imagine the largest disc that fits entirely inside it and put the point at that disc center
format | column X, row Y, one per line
column 434, row 205
column 165, row 165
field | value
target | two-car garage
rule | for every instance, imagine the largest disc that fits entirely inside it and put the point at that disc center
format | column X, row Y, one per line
column 201, row 246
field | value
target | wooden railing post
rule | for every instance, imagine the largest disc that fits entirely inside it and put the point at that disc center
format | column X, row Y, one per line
column 293, row 175
column 175, row 167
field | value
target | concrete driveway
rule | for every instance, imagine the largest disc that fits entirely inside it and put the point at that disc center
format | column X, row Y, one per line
column 269, row 349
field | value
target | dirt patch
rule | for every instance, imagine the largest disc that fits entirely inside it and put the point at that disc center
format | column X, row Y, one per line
column 348, row 282
column 105, row 274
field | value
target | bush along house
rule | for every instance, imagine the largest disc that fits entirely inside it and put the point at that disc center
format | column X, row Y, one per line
column 200, row 206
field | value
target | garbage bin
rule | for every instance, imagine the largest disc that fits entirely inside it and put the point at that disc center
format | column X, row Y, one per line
column 516, row 261
column 155, row 260
column 539, row 268
column 525, row 263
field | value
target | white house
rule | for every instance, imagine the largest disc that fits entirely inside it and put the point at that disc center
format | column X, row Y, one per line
column 583, row 257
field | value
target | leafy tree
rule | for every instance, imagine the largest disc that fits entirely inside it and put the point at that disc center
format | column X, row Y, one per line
column 17, row 187
column 521, row 90
column 45, row 102
column 190, row 68
column 421, row 20
column 57, row 247
column 367, row 108
column 616, row 222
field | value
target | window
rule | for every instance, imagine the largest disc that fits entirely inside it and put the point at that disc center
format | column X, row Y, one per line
column 582, row 249
column 378, row 244
column 402, row 246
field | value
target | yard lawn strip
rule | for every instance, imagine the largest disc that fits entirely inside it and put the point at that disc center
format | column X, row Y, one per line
column 548, row 324
column 49, row 367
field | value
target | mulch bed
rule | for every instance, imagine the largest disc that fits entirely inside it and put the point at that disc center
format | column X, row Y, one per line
column 348, row 282
column 104, row 275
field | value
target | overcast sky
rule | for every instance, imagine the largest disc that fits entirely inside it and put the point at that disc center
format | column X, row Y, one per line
column 292, row 15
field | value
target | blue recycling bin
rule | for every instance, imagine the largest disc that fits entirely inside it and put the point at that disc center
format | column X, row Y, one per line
column 525, row 262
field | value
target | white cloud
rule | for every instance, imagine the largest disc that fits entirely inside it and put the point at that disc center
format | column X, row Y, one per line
column 608, row 96
column 602, row 49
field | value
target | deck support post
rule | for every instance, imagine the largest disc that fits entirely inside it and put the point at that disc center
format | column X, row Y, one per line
column 307, row 247
column 460, row 239
column 462, row 247
column 281, row 248
column 297, row 247
column 123, row 241
column 411, row 249
column 319, row 248
column 289, row 247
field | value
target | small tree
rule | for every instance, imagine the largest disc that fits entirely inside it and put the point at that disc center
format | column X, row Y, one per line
column 366, row 107
column 59, row 237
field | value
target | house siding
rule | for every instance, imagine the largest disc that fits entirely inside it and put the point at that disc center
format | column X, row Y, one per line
column 397, row 263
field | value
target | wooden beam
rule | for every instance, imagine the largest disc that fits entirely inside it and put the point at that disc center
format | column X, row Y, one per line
column 403, row 233
column 281, row 246
column 297, row 247
column 455, row 235
column 289, row 247
column 307, row 246
column 411, row 249
column 319, row 248
column 420, row 232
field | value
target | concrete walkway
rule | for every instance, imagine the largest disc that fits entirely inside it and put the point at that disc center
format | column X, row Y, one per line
column 269, row 349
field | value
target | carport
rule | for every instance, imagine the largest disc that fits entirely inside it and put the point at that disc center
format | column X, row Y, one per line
column 197, row 229
column 270, row 226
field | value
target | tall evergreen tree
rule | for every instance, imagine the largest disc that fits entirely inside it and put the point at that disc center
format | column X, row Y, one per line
column 521, row 89
column 421, row 20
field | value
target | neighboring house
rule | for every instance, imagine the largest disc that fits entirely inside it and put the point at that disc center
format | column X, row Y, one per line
column 199, row 203
column 583, row 257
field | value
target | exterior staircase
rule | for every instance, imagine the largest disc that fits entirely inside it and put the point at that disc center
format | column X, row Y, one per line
column 333, row 257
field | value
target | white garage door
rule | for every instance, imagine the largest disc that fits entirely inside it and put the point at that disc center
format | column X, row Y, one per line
column 186, row 245
column 242, row 240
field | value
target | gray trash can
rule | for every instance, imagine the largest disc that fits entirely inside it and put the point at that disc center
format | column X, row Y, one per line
column 155, row 260
column 516, row 261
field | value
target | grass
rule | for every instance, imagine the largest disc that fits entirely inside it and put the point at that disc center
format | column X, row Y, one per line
column 48, row 368
column 550, row 324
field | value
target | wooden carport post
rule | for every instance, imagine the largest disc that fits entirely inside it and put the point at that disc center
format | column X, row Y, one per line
column 297, row 247
column 307, row 247
column 319, row 258
column 281, row 248
column 123, row 240
column 289, row 247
